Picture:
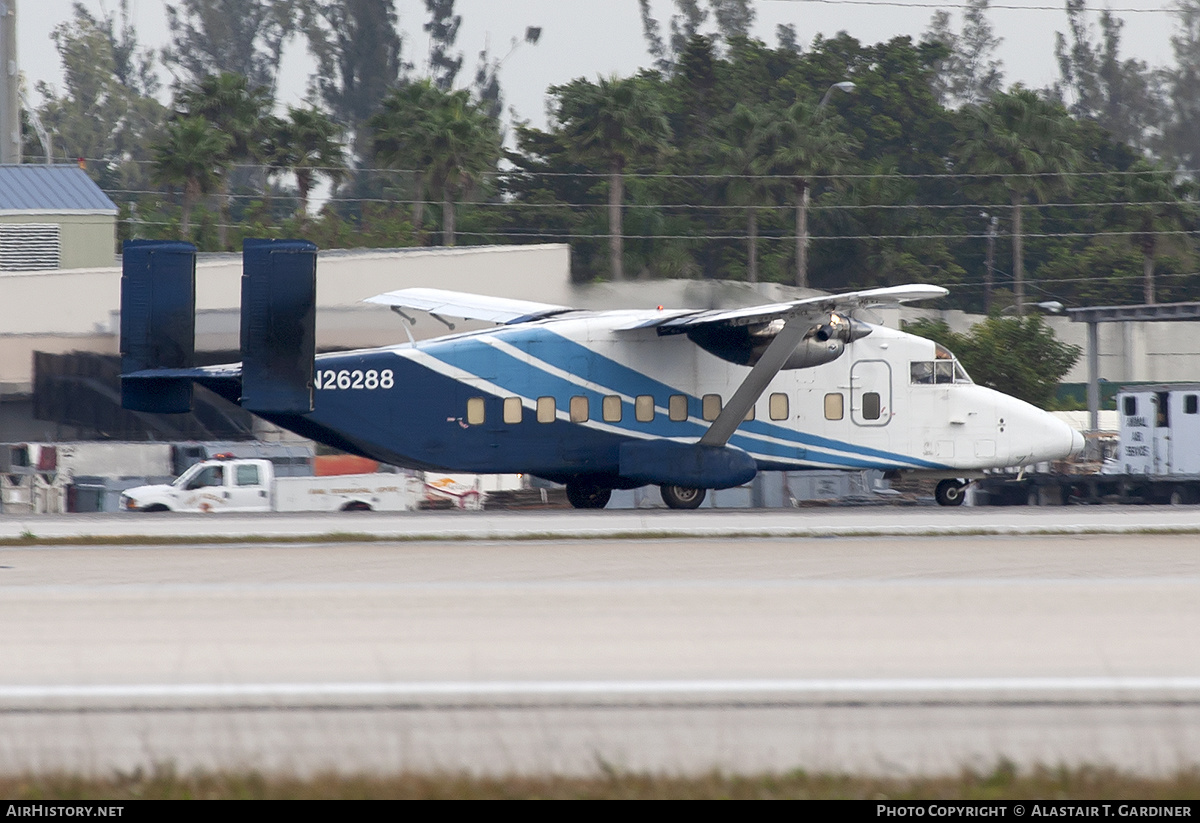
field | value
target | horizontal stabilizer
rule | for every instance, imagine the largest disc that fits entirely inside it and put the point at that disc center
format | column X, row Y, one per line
column 279, row 297
column 468, row 306
column 158, row 324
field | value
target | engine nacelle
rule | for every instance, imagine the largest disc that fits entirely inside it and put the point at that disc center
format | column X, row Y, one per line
column 744, row 345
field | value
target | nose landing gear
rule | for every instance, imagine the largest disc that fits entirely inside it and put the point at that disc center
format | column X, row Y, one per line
column 950, row 492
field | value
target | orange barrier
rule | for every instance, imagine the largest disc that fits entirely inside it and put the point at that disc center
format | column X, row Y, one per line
column 326, row 465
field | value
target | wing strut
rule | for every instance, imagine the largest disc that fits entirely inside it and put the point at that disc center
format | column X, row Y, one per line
column 756, row 382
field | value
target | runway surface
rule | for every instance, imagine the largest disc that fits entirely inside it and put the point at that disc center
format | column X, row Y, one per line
column 881, row 654
column 806, row 522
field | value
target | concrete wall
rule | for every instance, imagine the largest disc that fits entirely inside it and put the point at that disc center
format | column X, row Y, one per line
column 16, row 354
column 86, row 240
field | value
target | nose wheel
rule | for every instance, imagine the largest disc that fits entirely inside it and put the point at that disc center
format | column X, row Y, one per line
column 950, row 492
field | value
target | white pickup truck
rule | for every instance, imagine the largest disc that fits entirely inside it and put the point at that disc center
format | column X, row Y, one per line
column 237, row 485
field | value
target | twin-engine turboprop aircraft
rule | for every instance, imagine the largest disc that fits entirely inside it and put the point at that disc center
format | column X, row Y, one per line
column 688, row 400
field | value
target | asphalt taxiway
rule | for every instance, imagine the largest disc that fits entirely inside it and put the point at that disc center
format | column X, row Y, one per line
column 846, row 648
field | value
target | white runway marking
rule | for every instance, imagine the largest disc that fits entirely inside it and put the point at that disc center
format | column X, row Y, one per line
column 1008, row 686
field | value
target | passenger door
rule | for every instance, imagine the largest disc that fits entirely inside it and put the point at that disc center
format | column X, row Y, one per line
column 871, row 393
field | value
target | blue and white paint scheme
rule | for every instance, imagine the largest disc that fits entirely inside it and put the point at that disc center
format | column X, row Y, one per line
column 685, row 399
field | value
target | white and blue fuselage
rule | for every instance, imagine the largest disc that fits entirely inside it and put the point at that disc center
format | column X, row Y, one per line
column 557, row 397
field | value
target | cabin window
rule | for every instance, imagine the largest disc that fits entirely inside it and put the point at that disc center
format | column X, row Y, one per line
column 677, row 407
column 778, row 406
column 1130, row 406
column 870, row 405
column 749, row 414
column 1191, row 403
column 579, row 409
column 834, row 406
column 612, row 408
column 643, row 408
column 711, row 406
column 475, row 414
column 546, row 410
column 943, row 371
column 512, row 410
column 246, row 475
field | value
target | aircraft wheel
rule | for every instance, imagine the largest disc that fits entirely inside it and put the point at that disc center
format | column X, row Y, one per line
column 950, row 492
column 682, row 497
column 583, row 495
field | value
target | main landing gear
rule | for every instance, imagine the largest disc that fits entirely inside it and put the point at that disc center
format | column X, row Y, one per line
column 950, row 492
column 682, row 497
column 585, row 495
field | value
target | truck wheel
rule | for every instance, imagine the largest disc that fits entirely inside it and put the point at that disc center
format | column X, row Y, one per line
column 157, row 507
column 357, row 506
column 1180, row 496
column 584, row 495
column 682, row 497
column 950, row 492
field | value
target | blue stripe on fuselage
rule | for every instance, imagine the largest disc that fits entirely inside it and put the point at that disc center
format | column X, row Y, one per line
column 527, row 380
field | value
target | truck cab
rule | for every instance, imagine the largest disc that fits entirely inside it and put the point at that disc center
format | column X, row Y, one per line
column 211, row 486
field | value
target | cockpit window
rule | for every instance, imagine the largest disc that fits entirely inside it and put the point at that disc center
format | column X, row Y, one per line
column 940, row 372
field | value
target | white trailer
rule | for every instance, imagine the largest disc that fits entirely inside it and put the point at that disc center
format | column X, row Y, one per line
column 233, row 485
column 1157, row 458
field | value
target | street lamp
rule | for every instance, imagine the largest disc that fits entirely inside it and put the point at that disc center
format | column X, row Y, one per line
column 802, row 207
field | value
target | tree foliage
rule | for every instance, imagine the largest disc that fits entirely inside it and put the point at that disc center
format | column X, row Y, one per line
column 969, row 72
column 243, row 37
column 1018, row 356
column 444, row 62
column 358, row 51
column 106, row 112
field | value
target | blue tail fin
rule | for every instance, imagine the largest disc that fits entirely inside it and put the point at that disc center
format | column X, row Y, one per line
column 279, row 296
column 158, row 323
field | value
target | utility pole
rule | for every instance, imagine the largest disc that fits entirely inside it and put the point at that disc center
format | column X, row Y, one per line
column 10, row 91
column 990, row 277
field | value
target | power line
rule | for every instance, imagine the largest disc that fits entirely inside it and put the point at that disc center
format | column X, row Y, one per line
column 990, row 7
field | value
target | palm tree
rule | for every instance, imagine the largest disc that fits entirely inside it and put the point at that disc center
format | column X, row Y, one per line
column 1153, row 204
column 397, row 135
column 190, row 154
column 613, row 122
column 740, row 148
column 306, row 143
column 462, row 145
column 236, row 109
column 445, row 137
column 1024, row 140
column 806, row 142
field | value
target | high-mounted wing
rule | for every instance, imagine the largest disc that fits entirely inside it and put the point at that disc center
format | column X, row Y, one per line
column 754, row 315
column 795, row 319
column 440, row 302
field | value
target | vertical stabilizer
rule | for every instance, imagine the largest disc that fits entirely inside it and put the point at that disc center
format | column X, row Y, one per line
column 158, row 323
column 279, row 296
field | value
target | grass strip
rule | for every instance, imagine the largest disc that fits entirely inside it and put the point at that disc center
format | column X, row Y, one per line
column 1004, row 782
